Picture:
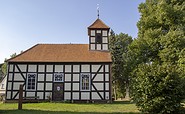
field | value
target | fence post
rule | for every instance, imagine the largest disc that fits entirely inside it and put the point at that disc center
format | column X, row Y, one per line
column 20, row 97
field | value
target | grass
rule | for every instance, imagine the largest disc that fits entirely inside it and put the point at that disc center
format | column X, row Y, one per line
column 69, row 108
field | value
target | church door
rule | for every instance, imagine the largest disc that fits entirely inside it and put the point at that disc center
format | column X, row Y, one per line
column 58, row 91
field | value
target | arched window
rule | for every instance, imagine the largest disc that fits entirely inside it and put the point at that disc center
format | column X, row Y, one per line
column 31, row 81
column 98, row 38
column 85, row 82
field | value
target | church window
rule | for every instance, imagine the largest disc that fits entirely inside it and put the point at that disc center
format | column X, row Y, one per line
column 31, row 81
column 85, row 82
column 58, row 77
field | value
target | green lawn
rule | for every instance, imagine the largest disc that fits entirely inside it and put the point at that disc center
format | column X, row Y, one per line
column 67, row 108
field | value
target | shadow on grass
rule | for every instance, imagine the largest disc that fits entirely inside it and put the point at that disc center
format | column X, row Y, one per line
column 114, row 102
column 98, row 103
column 26, row 111
column 122, row 102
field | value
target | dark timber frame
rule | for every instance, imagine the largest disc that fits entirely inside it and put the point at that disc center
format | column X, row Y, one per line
column 93, row 89
column 90, row 36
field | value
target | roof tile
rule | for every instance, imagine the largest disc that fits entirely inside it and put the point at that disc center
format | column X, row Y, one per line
column 99, row 24
column 62, row 53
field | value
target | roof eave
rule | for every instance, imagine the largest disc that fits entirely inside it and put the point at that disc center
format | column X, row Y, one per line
column 60, row 62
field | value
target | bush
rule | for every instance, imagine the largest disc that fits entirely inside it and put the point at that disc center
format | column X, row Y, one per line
column 158, row 89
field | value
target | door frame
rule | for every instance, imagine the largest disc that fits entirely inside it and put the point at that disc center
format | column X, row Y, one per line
column 58, row 82
column 53, row 92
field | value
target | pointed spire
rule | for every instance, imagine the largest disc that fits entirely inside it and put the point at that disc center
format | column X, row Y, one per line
column 98, row 10
column 98, row 24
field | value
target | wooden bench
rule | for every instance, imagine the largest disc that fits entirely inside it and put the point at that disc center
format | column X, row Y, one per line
column 31, row 99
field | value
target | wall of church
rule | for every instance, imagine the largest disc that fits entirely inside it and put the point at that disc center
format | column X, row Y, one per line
column 3, row 85
column 100, row 80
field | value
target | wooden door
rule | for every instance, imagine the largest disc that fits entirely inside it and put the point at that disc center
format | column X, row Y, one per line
column 58, row 91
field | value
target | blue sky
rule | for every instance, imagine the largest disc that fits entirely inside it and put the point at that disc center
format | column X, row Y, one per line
column 24, row 23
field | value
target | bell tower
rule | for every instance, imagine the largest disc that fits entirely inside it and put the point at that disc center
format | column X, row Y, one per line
column 98, row 36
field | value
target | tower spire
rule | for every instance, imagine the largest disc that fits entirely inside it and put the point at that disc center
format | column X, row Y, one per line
column 98, row 10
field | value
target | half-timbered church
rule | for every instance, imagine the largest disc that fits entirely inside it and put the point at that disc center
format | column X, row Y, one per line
column 64, row 72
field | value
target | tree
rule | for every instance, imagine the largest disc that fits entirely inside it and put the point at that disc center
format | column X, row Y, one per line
column 119, row 51
column 158, row 80
column 4, row 66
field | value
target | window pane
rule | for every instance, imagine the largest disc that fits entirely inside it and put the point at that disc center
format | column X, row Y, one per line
column 31, row 81
column 85, row 79
column 58, row 77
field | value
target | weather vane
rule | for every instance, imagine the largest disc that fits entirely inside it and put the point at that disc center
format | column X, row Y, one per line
column 98, row 10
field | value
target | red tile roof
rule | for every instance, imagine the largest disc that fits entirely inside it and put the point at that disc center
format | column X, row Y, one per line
column 98, row 24
column 62, row 53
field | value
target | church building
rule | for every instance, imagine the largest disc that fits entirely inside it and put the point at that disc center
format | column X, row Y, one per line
column 64, row 72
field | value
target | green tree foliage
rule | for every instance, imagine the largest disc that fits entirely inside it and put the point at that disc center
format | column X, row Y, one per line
column 159, row 51
column 119, row 50
column 4, row 66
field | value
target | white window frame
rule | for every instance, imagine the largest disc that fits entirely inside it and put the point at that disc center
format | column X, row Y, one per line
column 88, row 74
column 62, row 74
column 35, row 81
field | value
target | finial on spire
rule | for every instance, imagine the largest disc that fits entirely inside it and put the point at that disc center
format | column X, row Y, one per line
column 98, row 10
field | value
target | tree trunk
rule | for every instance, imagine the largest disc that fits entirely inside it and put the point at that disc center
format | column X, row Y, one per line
column 127, row 96
column 115, row 92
